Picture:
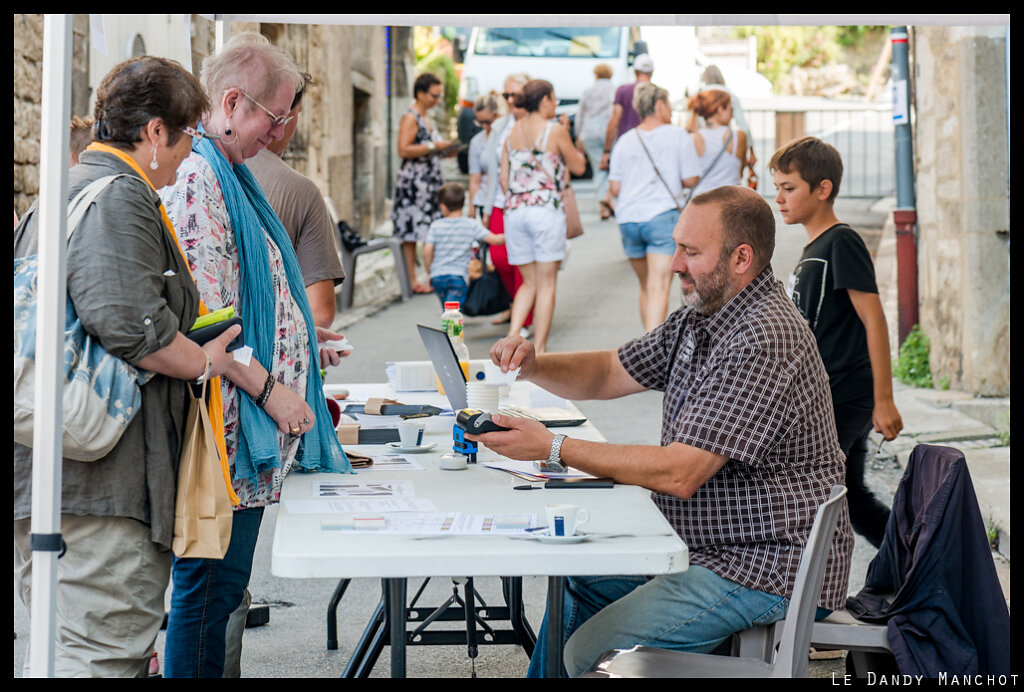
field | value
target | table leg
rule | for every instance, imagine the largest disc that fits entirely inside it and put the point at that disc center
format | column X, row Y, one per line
column 332, row 614
column 556, row 604
column 396, row 624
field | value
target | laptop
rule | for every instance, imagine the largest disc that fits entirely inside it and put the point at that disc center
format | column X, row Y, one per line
column 446, row 365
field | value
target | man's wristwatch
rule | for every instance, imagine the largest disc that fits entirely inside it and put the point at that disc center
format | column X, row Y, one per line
column 555, row 456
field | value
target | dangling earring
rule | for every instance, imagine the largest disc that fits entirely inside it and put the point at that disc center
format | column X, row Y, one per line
column 228, row 132
column 153, row 164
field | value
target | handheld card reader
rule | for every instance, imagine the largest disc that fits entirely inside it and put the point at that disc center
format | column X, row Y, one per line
column 475, row 422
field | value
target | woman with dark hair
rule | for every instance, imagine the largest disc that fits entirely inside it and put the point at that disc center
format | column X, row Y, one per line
column 533, row 174
column 275, row 414
column 132, row 289
column 419, row 179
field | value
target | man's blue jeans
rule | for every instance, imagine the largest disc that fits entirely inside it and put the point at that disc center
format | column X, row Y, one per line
column 205, row 594
column 695, row 610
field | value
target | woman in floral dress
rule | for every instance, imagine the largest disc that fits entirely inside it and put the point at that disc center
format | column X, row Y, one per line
column 419, row 179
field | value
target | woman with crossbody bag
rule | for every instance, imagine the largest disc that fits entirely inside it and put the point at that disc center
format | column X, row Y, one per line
column 650, row 165
column 533, row 175
column 723, row 153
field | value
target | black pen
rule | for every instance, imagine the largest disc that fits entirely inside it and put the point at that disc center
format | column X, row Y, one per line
column 528, row 487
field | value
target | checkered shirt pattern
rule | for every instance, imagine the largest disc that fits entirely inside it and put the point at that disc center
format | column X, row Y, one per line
column 747, row 382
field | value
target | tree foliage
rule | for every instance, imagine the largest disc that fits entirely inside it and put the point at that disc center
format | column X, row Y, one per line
column 781, row 48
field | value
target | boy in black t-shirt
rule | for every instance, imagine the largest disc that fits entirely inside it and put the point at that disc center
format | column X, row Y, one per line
column 834, row 288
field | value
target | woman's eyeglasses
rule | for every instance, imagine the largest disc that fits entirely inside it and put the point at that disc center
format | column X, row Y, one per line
column 276, row 120
column 196, row 134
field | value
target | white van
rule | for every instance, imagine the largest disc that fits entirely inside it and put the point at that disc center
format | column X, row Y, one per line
column 564, row 56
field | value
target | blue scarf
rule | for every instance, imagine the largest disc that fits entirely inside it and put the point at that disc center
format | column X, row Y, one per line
column 250, row 213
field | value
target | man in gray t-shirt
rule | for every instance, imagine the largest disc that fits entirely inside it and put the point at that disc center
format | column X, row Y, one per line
column 301, row 208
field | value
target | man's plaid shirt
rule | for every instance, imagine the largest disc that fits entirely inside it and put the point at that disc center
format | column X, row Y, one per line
column 747, row 382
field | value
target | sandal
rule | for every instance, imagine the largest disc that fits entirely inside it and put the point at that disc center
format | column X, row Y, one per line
column 420, row 288
column 606, row 210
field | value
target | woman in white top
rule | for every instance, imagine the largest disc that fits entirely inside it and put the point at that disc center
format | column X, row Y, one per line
column 650, row 166
column 722, row 151
column 595, row 109
column 486, row 111
column 533, row 175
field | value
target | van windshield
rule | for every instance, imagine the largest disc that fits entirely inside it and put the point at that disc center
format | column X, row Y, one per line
column 550, row 42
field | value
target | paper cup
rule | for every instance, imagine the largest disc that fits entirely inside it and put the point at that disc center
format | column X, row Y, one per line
column 481, row 395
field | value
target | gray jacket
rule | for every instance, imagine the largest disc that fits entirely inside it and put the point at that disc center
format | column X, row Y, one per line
column 132, row 290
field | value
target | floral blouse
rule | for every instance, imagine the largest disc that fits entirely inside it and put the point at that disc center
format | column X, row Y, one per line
column 536, row 177
column 195, row 204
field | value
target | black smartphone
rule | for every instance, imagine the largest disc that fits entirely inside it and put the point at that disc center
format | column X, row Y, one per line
column 556, row 483
column 204, row 334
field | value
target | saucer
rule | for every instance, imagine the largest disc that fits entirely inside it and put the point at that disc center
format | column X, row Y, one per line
column 545, row 537
column 397, row 446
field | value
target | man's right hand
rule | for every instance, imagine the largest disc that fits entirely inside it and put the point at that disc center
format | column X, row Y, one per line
column 514, row 352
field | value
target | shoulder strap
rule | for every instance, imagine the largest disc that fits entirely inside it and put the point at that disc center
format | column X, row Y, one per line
column 542, row 140
column 84, row 199
column 656, row 171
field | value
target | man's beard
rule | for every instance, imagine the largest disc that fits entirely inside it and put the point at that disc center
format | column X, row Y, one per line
column 709, row 293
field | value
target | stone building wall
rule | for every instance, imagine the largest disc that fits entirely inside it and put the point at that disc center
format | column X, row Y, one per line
column 343, row 142
column 28, row 89
column 962, row 180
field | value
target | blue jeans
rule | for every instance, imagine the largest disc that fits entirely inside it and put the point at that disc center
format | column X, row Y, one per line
column 449, row 287
column 695, row 610
column 205, row 594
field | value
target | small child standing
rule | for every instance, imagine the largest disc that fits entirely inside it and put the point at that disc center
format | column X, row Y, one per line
column 449, row 245
column 834, row 288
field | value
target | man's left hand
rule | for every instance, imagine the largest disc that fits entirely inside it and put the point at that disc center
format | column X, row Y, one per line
column 527, row 440
column 328, row 356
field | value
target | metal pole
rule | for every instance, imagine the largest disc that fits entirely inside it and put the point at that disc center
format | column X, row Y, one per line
column 905, row 214
column 47, row 439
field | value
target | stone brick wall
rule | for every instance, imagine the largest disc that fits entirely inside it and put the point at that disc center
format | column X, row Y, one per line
column 962, row 181
column 28, row 87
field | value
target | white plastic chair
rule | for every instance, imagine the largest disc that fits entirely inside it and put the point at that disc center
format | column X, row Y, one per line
column 791, row 659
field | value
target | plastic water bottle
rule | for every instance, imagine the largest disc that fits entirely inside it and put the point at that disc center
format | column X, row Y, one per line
column 451, row 324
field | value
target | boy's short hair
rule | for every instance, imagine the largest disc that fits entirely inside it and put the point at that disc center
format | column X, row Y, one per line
column 813, row 159
column 452, row 196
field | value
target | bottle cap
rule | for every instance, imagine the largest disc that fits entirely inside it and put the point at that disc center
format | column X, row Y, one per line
column 451, row 305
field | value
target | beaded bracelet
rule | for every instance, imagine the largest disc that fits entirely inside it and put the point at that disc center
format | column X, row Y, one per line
column 265, row 394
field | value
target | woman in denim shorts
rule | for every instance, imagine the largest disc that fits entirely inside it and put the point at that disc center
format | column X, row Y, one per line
column 650, row 166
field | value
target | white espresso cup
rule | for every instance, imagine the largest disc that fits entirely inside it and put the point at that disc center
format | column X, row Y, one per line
column 563, row 520
column 410, row 432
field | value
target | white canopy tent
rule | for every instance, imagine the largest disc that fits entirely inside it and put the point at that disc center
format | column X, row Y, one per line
column 56, row 109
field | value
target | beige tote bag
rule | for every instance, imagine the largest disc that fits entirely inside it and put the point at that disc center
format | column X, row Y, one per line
column 202, row 510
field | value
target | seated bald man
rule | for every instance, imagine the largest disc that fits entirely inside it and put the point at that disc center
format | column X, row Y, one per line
column 748, row 445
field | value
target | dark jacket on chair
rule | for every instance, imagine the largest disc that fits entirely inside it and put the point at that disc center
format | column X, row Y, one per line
column 934, row 581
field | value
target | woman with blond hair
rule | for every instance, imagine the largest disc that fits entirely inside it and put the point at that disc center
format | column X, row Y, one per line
column 275, row 415
column 722, row 152
column 650, row 166
column 595, row 110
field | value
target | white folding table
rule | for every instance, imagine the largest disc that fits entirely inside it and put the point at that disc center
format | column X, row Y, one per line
column 629, row 534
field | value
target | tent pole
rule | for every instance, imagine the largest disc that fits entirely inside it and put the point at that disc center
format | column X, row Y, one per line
column 47, row 439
